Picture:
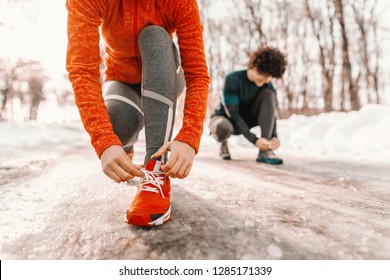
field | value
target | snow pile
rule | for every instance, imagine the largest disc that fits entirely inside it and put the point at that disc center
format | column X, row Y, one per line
column 357, row 135
column 363, row 134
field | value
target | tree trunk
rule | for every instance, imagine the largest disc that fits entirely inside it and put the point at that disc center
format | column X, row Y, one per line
column 34, row 107
column 326, row 54
column 347, row 68
column 3, row 110
column 375, row 73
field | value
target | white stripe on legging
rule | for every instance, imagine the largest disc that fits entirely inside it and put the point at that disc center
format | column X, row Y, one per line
column 123, row 99
column 163, row 99
column 156, row 96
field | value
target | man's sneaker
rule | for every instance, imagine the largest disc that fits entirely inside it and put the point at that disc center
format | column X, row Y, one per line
column 152, row 204
column 224, row 151
column 268, row 157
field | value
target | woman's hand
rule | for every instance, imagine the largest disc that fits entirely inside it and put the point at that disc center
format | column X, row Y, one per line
column 117, row 165
column 180, row 159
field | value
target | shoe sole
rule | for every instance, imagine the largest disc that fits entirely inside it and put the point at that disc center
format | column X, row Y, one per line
column 163, row 219
column 138, row 220
column 225, row 156
column 270, row 161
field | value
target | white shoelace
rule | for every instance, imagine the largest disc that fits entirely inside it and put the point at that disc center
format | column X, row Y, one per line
column 153, row 178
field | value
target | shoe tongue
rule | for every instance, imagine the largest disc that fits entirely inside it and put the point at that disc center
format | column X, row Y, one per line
column 153, row 165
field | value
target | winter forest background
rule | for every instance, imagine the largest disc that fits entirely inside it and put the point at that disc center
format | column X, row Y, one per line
column 337, row 53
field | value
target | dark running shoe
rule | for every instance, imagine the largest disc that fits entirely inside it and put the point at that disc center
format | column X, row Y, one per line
column 268, row 157
column 224, row 151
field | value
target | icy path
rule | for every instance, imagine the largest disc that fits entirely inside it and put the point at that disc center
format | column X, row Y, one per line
column 65, row 208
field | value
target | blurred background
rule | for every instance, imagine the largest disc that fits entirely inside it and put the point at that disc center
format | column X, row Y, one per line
column 337, row 53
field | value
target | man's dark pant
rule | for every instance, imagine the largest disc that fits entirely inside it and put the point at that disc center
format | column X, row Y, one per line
column 261, row 113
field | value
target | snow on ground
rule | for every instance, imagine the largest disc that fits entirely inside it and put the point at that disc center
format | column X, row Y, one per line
column 55, row 203
column 22, row 142
column 362, row 135
column 359, row 135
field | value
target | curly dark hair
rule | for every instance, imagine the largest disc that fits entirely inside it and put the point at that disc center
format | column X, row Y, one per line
column 269, row 61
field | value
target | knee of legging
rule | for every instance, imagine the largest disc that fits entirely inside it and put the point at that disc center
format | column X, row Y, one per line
column 221, row 131
column 267, row 95
column 155, row 34
column 126, row 121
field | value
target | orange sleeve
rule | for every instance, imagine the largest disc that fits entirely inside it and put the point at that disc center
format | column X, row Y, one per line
column 189, row 30
column 82, row 63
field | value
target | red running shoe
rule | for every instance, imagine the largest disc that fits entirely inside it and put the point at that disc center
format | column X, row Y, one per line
column 152, row 204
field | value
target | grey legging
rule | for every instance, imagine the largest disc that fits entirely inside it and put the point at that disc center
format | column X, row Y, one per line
column 152, row 104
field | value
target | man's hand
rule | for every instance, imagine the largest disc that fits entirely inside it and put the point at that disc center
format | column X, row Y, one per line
column 118, row 166
column 263, row 144
column 180, row 159
column 275, row 143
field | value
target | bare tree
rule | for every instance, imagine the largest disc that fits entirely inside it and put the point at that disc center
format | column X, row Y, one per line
column 333, row 47
column 347, row 78
column 8, row 76
column 22, row 79
column 5, row 96
column 323, row 30
column 36, row 84
column 255, row 20
column 282, row 13
column 213, row 33
column 377, row 55
column 363, row 11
